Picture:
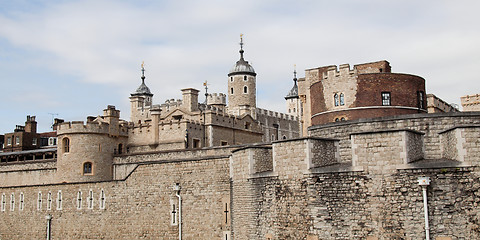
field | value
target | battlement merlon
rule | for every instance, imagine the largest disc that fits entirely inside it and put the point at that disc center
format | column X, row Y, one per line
column 216, row 99
column 382, row 66
column 283, row 116
column 79, row 127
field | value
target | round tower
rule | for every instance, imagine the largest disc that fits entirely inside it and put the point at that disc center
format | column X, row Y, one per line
column 85, row 151
column 242, row 86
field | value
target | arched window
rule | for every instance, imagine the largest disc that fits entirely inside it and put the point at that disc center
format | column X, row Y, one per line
column 245, row 89
column 342, row 119
column 66, row 144
column 231, row 90
column 244, row 78
column 342, row 99
column 87, row 168
column 336, row 119
column 335, row 99
column 284, row 137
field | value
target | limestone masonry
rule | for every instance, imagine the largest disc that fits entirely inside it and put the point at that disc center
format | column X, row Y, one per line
column 226, row 169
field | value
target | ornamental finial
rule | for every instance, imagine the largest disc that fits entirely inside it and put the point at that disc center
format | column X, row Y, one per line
column 241, row 45
column 143, row 71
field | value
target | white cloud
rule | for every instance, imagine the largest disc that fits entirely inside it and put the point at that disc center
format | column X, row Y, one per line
column 187, row 42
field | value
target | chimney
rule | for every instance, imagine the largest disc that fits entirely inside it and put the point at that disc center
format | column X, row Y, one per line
column 190, row 99
column 31, row 124
column 56, row 122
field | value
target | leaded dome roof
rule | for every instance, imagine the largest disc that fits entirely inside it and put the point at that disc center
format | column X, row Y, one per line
column 242, row 66
column 293, row 93
column 142, row 89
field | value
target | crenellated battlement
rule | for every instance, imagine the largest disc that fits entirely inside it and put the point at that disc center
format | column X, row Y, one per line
column 171, row 103
column 217, row 99
column 269, row 113
column 75, row 127
column 342, row 71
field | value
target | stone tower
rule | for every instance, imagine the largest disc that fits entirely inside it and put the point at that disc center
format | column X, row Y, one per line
column 294, row 106
column 85, row 151
column 242, row 87
column 141, row 101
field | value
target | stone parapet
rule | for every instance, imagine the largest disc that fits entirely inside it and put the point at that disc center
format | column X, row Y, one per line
column 75, row 127
column 461, row 143
column 385, row 151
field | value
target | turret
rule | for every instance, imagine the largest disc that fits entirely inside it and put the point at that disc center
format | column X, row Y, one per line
column 85, row 151
column 141, row 101
column 242, row 86
column 218, row 100
column 293, row 100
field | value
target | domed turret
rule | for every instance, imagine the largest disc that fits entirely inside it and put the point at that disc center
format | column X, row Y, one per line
column 242, row 87
column 141, row 101
column 142, row 89
column 293, row 93
column 294, row 105
column 242, row 66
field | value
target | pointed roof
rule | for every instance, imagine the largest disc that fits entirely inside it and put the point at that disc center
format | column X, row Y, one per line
column 293, row 93
column 242, row 66
column 142, row 89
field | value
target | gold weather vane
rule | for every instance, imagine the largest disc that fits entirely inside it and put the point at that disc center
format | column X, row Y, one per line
column 143, row 63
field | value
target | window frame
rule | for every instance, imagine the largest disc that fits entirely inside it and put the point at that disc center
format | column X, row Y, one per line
column 66, row 145
column 386, row 99
column 90, row 169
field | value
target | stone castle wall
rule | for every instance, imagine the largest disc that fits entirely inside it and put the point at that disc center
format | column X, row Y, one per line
column 376, row 198
column 308, row 188
column 430, row 124
column 28, row 173
column 139, row 207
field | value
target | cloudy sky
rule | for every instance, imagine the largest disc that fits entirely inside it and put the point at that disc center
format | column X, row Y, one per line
column 73, row 58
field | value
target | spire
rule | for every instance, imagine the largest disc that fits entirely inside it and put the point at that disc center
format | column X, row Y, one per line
column 295, row 74
column 241, row 46
column 242, row 66
column 293, row 93
column 143, row 72
column 143, row 89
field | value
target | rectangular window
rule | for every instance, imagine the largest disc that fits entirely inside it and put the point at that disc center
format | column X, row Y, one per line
column 196, row 143
column 421, row 99
column 17, row 140
column 39, row 201
column 34, row 142
column 3, row 203
column 102, row 199
column 49, row 201
column 59, row 200
column 173, row 212
column 386, row 99
column 12, row 202
column 90, row 199
column 79, row 200
column 9, row 141
column 21, row 206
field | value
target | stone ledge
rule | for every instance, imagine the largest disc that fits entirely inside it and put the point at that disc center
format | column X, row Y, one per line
column 336, row 168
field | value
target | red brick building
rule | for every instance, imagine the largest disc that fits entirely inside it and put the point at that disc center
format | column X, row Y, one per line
column 368, row 90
